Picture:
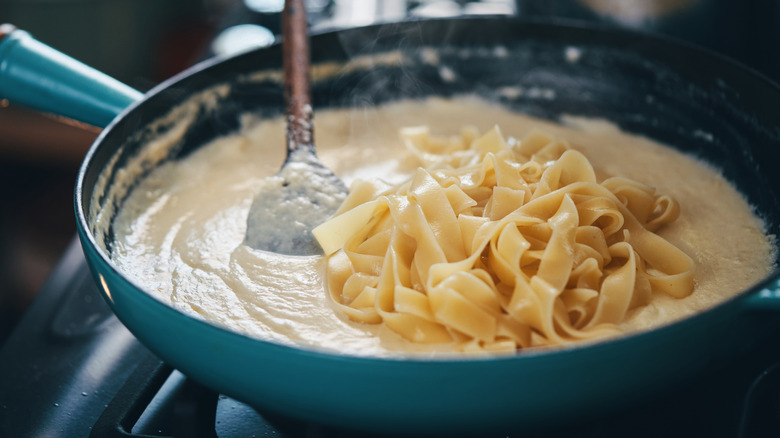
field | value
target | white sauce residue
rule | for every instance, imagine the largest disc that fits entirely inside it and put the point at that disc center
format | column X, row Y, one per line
column 447, row 74
column 703, row 135
column 572, row 54
column 511, row 93
column 514, row 93
column 540, row 93
column 429, row 56
column 500, row 52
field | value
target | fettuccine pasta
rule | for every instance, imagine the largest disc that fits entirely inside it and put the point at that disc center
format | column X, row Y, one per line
column 497, row 245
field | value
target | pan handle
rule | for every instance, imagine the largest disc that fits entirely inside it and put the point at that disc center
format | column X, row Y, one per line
column 37, row 76
column 767, row 298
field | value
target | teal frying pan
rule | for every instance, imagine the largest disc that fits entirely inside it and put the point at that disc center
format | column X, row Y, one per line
column 661, row 89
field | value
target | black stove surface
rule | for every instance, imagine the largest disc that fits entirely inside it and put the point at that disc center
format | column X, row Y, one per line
column 71, row 369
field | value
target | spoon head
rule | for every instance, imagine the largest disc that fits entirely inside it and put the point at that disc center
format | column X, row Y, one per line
column 303, row 195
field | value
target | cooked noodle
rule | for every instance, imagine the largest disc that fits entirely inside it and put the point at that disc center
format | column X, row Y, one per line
column 496, row 246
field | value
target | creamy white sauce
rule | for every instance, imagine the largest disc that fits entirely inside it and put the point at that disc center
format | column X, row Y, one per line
column 180, row 233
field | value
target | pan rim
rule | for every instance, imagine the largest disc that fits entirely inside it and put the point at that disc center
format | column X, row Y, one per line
column 88, row 239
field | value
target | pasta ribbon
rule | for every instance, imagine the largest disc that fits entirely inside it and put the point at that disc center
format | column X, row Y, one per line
column 496, row 246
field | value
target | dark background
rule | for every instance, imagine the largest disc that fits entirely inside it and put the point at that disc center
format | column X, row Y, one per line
column 142, row 42
column 139, row 42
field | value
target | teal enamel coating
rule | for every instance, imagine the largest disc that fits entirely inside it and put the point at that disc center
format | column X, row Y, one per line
column 33, row 74
column 767, row 299
column 459, row 396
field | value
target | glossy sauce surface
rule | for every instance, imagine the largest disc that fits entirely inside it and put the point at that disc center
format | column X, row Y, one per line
column 180, row 233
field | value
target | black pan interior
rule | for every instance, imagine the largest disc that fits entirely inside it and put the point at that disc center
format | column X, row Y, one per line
column 692, row 100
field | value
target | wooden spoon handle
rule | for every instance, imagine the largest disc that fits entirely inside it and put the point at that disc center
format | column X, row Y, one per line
column 295, row 44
